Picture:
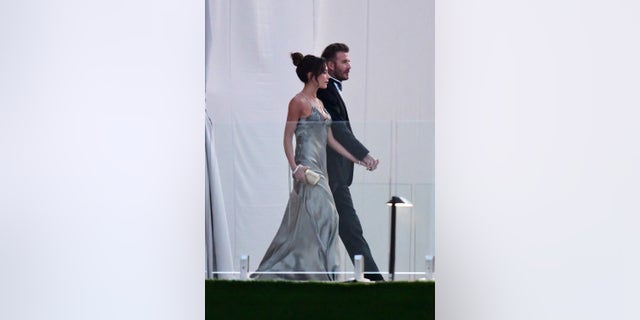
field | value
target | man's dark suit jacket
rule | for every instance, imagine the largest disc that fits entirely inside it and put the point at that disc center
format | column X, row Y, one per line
column 339, row 168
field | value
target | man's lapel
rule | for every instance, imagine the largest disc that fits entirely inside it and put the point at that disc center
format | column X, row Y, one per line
column 343, row 107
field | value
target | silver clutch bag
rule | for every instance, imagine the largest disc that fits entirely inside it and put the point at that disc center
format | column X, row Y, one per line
column 312, row 177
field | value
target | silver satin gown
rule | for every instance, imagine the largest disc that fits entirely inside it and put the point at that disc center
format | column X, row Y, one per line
column 307, row 241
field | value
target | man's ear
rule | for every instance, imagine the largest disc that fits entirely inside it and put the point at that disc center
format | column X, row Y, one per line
column 331, row 65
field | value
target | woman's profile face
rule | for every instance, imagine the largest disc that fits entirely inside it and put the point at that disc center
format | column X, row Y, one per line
column 323, row 79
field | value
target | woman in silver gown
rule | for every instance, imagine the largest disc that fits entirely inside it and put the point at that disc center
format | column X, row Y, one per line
column 306, row 244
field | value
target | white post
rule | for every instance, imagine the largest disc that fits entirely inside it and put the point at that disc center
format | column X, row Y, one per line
column 244, row 267
column 358, row 267
column 430, row 267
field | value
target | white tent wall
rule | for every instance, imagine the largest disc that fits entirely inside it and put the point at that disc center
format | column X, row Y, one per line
column 390, row 94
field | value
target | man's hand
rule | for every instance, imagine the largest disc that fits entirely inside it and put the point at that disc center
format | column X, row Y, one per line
column 370, row 162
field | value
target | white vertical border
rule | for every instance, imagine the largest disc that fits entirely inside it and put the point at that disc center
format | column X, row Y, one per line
column 102, row 166
column 536, row 159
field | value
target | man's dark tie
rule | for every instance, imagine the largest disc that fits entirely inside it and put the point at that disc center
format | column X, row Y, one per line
column 339, row 85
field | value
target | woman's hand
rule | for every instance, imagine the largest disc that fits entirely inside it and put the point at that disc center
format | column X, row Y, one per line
column 298, row 173
column 369, row 162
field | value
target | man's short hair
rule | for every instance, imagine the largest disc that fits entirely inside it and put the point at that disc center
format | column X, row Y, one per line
column 331, row 50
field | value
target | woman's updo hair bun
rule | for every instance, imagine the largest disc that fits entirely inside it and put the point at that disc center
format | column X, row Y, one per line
column 297, row 58
column 309, row 63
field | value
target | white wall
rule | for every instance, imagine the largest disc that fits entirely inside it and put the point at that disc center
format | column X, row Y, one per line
column 102, row 160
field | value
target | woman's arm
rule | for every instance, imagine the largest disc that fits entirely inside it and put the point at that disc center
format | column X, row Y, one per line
column 296, row 111
column 335, row 145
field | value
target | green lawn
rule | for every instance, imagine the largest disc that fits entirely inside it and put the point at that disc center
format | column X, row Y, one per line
column 319, row 300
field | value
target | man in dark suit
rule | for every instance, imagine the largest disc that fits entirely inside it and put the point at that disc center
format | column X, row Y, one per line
column 340, row 169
